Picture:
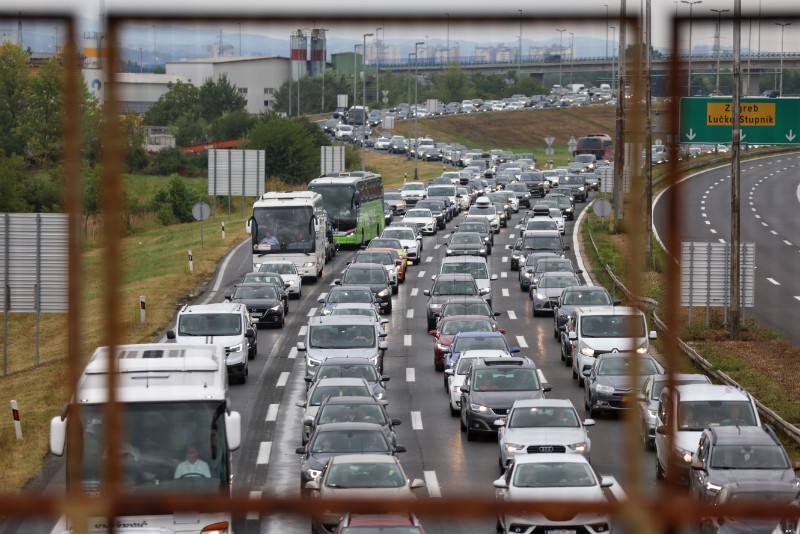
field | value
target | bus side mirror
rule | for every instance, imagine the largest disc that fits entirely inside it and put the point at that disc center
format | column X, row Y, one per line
column 58, row 435
column 249, row 225
column 233, row 430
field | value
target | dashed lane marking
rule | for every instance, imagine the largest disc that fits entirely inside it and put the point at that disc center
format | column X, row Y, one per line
column 432, row 483
column 436, row 246
column 411, row 374
column 414, row 292
column 504, row 275
column 407, row 340
column 429, row 259
column 712, row 231
column 272, row 412
column 512, row 315
column 264, row 449
column 416, row 420
column 773, row 281
column 292, row 353
column 302, row 331
column 410, row 314
column 522, row 343
column 505, row 259
column 283, row 379
column 787, row 242
column 505, row 291
column 254, row 495
column 312, row 312
column 421, row 274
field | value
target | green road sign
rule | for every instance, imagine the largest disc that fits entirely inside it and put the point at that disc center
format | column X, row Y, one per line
column 764, row 121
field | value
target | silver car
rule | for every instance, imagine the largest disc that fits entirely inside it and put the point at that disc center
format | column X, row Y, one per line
column 545, row 294
column 542, row 425
column 648, row 402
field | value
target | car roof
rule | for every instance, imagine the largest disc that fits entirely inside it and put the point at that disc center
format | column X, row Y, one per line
column 364, row 458
column 608, row 310
column 454, row 276
column 682, row 376
column 339, row 381
column 465, row 300
column 365, row 266
column 550, row 457
column 352, row 400
column 743, row 435
column 703, row 392
column 540, row 233
column 341, row 319
column 345, row 426
column 480, row 334
column 485, row 353
column 380, row 520
column 542, row 403
column 464, row 259
column 344, row 360
column 451, row 318
column 216, row 307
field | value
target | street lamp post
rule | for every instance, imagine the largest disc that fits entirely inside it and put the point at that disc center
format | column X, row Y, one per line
column 606, row 6
column 355, row 74
column 560, row 52
column 571, row 53
column 408, row 118
column 719, row 13
column 448, row 38
column 519, row 62
column 364, row 105
column 782, row 25
column 613, row 57
column 154, row 46
column 378, row 46
column 691, row 5
column 416, row 120
column 240, row 38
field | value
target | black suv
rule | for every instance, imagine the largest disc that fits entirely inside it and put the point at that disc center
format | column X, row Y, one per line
column 728, row 454
column 372, row 275
column 490, row 389
column 535, row 181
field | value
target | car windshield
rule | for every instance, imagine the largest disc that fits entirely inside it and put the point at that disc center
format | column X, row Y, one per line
column 558, row 266
column 474, row 325
column 379, row 242
column 414, row 187
column 441, row 191
column 505, row 380
column 454, row 287
column 351, row 413
column 585, row 158
column 466, row 239
column 624, row 367
column 323, row 392
column 210, row 324
column 556, row 416
column 390, row 195
column 476, row 269
column 374, row 257
column 364, row 276
column 542, row 243
column 483, row 210
column 473, row 227
column 749, row 457
column 554, row 475
column 365, row 475
column 696, row 415
column 399, row 233
column 461, row 308
column 542, row 224
column 342, row 336
column 587, row 298
column 350, row 441
column 337, row 295
column 659, row 385
column 613, row 326
column 367, row 371
column 422, row 214
column 257, row 278
column 255, row 292
column 280, row 268
column 558, row 281
column 479, row 343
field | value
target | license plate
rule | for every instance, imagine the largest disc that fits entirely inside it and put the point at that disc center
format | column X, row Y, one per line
column 256, row 315
column 561, row 531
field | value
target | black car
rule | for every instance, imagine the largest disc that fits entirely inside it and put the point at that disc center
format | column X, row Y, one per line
column 535, row 181
column 336, row 439
column 270, row 278
column 264, row 303
column 564, row 204
column 577, row 184
column 753, row 491
column 521, row 192
column 466, row 243
column 352, row 368
column 479, row 226
column 371, row 275
column 388, row 213
column 490, row 389
column 611, row 385
column 353, row 410
column 438, row 210
column 445, row 287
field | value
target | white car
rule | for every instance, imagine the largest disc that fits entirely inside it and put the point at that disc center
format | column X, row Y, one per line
column 288, row 271
column 455, row 377
column 512, row 200
column 422, row 218
column 409, row 238
column 558, row 217
column 412, row 192
column 381, row 143
column 542, row 425
column 464, row 201
column 553, row 477
column 343, row 132
column 484, row 207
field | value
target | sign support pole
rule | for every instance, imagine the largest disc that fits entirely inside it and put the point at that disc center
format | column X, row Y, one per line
column 735, row 175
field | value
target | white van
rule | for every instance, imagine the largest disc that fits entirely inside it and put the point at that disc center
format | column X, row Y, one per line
column 344, row 132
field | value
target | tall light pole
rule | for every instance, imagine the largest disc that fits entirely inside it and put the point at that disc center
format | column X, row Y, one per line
column 416, row 117
column 355, row 74
column 240, row 38
column 719, row 13
column 154, row 45
column 408, row 119
column 378, row 46
column 448, row 38
column 691, row 5
column 606, row 6
column 571, row 53
column 782, row 25
column 560, row 52
column 519, row 62
column 613, row 57
column 364, row 105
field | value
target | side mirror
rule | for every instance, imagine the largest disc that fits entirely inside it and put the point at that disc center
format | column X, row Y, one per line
column 308, row 423
column 616, row 303
column 566, row 248
column 697, row 465
column 432, row 333
column 300, row 450
column 250, row 333
column 500, row 483
column 399, row 448
column 433, row 277
column 547, row 387
column 308, row 379
column 321, row 299
column 449, row 372
column 465, row 388
column 497, row 314
column 300, row 404
column 396, row 422
column 607, row 482
column 579, row 271
column 509, row 247
column 588, row 422
column 384, row 321
column 499, row 422
column 301, row 346
column 514, row 350
column 383, row 345
column 573, row 336
column 501, row 330
column 484, row 291
column 337, row 282
column 170, row 334
column 493, row 277
column 383, row 334
column 653, row 334
column 661, row 430
column 426, row 292
column 417, row 483
column 587, row 373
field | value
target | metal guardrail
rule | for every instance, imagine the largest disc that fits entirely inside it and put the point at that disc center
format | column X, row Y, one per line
column 766, row 413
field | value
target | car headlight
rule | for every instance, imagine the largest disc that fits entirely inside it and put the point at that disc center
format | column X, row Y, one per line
column 256, row 266
column 435, row 307
column 313, row 474
column 456, row 389
column 378, row 396
column 527, row 274
column 236, row 348
column 642, row 349
column 482, row 251
column 313, row 362
column 450, row 252
column 290, row 282
column 602, row 388
column 276, row 308
column 514, row 447
column 586, row 350
column 478, row 408
column 326, row 311
column 651, row 414
column 712, row 488
column 309, row 264
column 541, row 296
column 383, row 293
column 684, row 455
column 579, row 447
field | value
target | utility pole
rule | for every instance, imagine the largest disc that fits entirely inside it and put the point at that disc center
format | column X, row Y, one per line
column 782, row 25
column 364, row 106
column 619, row 150
column 571, row 53
column 719, row 13
column 691, row 5
column 736, row 300
column 560, row 53
column 519, row 62
column 416, row 120
column 648, row 142
column 378, row 46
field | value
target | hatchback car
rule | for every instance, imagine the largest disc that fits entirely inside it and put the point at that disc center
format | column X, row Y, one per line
column 466, row 243
column 370, row 275
column 466, row 306
column 352, row 368
column 648, row 401
column 536, row 426
column 263, row 301
column 330, row 387
column 380, row 257
column 348, row 295
column 288, row 271
column 479, row 226
column 475, row 266
column 353, row 410
column 445, row 287
column 614, row 380
column 546, row 292
column 344, row 336
column 424, row 219
column 447, row 329
column 409, row 237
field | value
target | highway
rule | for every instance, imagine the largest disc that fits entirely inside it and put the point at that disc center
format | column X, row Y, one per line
column 770, row 190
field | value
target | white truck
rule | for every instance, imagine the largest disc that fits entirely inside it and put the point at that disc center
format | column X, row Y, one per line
column 174, row 408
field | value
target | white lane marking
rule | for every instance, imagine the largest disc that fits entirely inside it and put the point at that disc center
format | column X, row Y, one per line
column 764, row 224
column 302, row 331
column 542, row 379
column 436, row 246
column 576, row 249
column 797, row 297
column 263, row 453
column 411, row 374
column 712, row 230
column 407, row 340
column 773, row 281
column 705, row 196
column 702, row 202
column 703, row 215
column 432, row 484
column 787, row 242
column 708, row 222
column 797, row 192
column 218, row 281
column 505, row 291
column 429, row 259
column 410, row 314
column 283, row 379
column 293, row 353
column 414, row 292
column 272, row 412
column 332, row 284
column 512, row 315
column 504, row 275
column 522, row 343
column 312, row 312
column 505, row 259
column 751, row 203
column 416, row 420
column 773, row 232
column 421, row 274
column 722, row 241
column 254, row 495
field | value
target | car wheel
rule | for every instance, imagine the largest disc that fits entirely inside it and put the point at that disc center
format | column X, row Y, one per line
column 645, row 439
column 286, row 307
column 660, row 473
column 574, row 374
column 580, row 380
column 535, row 313
column 454, row 412
column 395, row 288
column 555, row 336
column 470, row 435
column 499, row 526
column 461, row 421
column 590, row 411
column 283, row 321
column 522, row 288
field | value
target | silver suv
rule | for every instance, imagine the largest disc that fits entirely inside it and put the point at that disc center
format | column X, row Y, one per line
column 342, row 336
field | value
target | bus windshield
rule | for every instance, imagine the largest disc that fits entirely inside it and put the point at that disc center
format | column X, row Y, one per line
column 169, row 447
column 282, row 229
column 339, row 202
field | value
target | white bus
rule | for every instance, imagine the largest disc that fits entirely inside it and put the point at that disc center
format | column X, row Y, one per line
column 174, row 409
column 290, row 226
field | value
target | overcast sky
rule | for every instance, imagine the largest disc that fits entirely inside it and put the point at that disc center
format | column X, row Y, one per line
column 663, row 11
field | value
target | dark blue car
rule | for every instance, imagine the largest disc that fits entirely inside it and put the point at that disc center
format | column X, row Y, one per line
column 475, row 341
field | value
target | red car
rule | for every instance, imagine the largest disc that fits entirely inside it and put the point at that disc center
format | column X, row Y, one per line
column 358, row 523
column 448, row 327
